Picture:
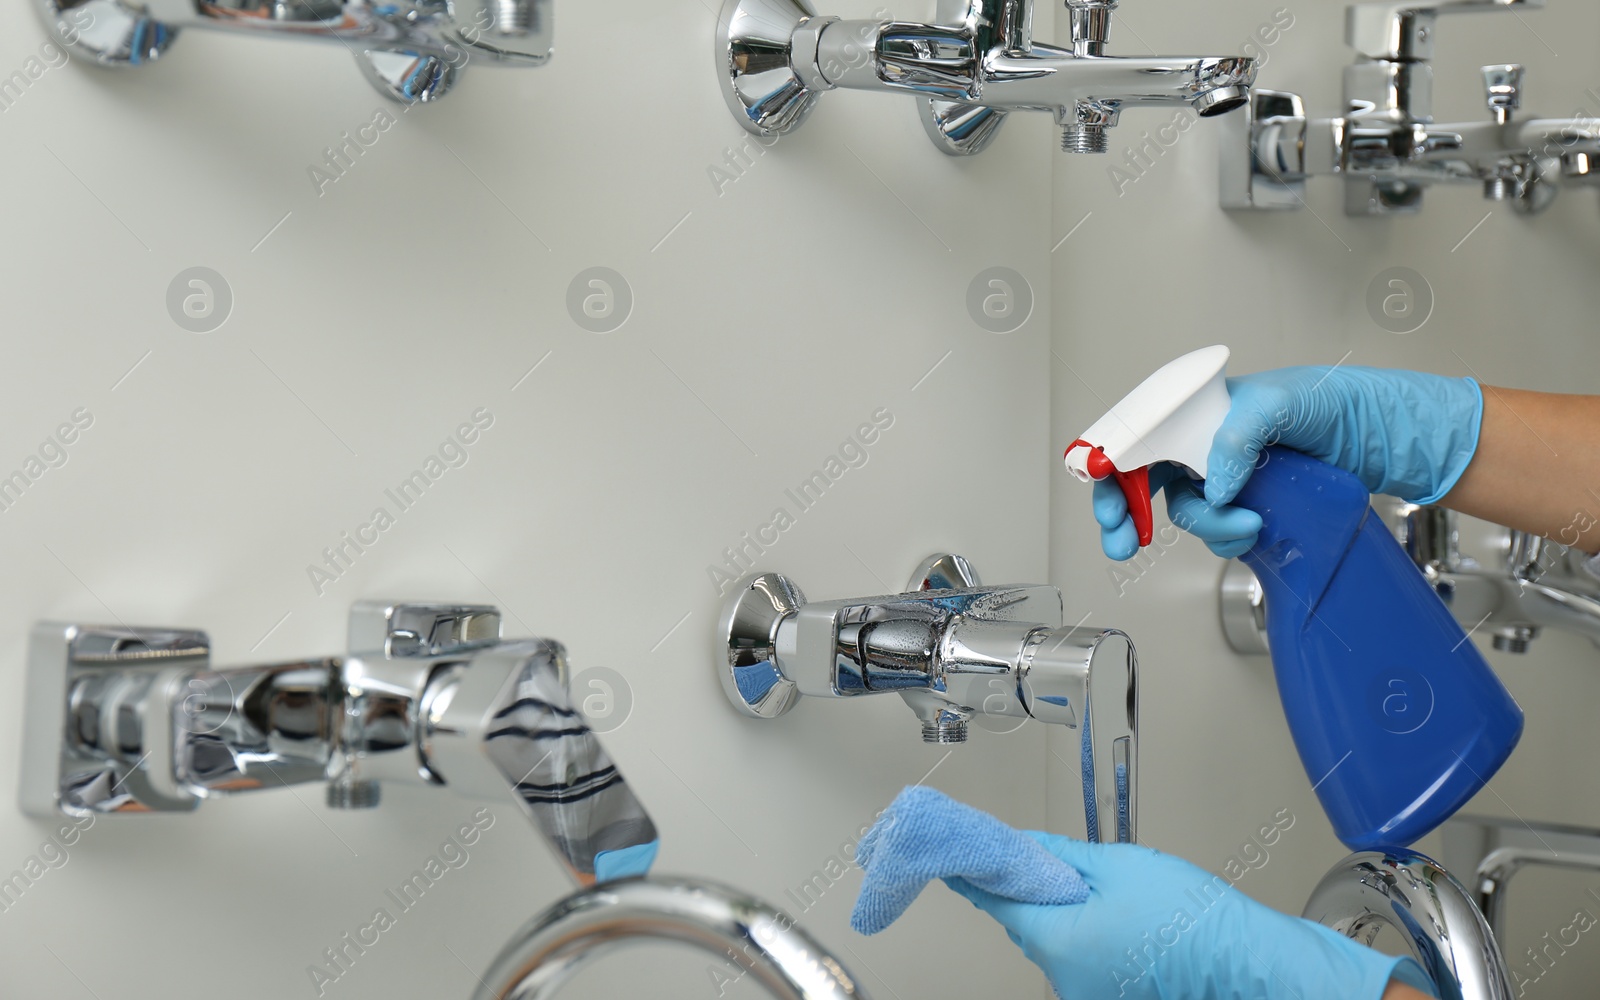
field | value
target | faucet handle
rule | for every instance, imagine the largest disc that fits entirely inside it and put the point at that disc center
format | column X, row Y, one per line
column 410, row 629
column 501, row 720
column 1502, row 90
column 1402, row 31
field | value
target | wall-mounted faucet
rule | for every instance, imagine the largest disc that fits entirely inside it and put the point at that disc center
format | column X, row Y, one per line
column 1386, row 145
column 1531, row 584
column 1434, row 915
column 413, row 50
column 129, row 720
column 136, row 720
column 953, row 649
column 1497, row 849
column 976, row 64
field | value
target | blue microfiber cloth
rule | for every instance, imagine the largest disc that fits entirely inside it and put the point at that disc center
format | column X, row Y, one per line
column 925, row 834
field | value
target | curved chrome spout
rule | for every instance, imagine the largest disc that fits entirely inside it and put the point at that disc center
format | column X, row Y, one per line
column 1437, row 918
column 1498, row 867
column 764, row 942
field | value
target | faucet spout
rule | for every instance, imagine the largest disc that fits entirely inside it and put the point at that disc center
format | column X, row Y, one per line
column 1433, row 913
column 1051, row 77
column 557, row 943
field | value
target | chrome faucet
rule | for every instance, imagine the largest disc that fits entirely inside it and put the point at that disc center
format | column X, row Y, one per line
column 761, row 941
column 1434, row 915
column 131, row 720
column 976, row 64
column 1533, row 584
column 136, row 720
column 413, row 50
column 1500, row 848
column 1386, row 144
column 954, row 649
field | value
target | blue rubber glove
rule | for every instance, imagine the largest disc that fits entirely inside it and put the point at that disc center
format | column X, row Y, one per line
column 1227, row 531
column 1406, row 434
column 1158, row 928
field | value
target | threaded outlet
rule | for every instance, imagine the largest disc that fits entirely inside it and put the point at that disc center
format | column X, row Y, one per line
column 1514, row 639
column 513, row 17
column 1083, row 139
column 361, row 794
column 948, row 731
column 1499, row 189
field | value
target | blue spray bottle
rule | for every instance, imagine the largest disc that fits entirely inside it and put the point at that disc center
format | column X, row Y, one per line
column 1396, row 716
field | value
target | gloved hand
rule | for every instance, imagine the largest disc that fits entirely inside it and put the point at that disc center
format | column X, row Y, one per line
column 1157, row 928
column 1406, row 434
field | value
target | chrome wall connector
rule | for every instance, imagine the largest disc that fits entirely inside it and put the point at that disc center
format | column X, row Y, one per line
column 136, row 720
column 970, row 69
column 413, row 50
column 955, row 650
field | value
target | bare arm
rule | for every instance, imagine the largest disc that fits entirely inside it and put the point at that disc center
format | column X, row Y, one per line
column 1537, row 468
column 1400, row 991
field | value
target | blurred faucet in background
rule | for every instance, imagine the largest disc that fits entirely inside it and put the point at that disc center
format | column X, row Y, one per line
column 413, row 50
column 1528, row 584
column 1386, row 145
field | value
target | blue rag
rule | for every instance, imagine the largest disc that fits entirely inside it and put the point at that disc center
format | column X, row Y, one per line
column 925, row 834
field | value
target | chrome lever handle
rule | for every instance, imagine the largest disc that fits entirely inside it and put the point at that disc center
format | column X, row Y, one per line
column 1109, row 740
column 1502, row 91
column 1398, row 31
column 505, row 722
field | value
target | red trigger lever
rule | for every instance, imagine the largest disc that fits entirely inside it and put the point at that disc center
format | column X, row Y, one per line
column 1135, row 486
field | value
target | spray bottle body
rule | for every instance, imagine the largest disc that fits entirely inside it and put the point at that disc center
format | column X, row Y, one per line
column 1396, row 715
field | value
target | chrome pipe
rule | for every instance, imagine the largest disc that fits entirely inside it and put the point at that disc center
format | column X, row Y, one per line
column 1498, row 867
column 1438, row 919
column 725, row 922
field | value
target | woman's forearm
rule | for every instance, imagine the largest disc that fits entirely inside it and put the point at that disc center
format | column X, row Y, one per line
column 1537, row 467
column 1400, row 991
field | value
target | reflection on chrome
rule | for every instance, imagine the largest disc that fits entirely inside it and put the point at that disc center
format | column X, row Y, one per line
column 736, row 928
column 1436, row 917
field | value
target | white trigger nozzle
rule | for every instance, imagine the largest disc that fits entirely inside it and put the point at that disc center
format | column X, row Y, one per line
column 1169, row 417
